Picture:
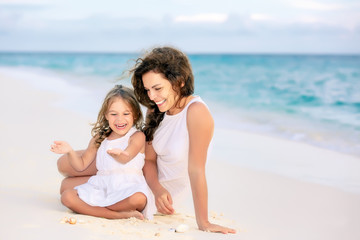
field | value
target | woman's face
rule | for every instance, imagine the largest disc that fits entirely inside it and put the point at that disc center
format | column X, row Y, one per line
column 160, row 91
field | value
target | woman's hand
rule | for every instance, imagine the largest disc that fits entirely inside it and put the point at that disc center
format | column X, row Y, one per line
column 209, row 227
column 164, row 201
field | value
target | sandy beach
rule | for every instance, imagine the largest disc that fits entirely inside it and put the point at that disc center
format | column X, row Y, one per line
column 260, row 205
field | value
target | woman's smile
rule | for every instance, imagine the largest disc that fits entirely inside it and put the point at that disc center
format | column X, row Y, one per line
column 160, row 103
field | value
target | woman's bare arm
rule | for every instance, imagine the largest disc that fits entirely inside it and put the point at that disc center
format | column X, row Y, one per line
column 163, row 198
column 200, row 126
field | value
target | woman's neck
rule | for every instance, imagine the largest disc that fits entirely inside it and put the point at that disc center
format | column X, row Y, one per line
column 179, row 105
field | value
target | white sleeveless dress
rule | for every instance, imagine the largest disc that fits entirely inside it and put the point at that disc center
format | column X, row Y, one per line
column 115, row 181
column 171, row 144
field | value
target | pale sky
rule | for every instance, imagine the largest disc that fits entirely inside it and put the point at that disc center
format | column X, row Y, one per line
column 201, row 26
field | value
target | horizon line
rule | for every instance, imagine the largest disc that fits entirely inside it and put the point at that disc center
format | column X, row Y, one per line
column 187, row 52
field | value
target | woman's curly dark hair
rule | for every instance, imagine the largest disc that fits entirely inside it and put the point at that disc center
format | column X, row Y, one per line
column 101, row 129
column 175, row 67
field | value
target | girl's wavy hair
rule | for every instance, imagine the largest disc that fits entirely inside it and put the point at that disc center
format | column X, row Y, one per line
column 101, row 128
column 175, row 67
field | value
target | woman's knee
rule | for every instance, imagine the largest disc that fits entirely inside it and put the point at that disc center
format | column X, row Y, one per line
column 65, row 168
column 71, row 182
column 65, row 185
column 68, row 197
column 63, row 165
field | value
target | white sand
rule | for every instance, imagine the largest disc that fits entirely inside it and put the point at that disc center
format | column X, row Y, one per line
column 260, row 205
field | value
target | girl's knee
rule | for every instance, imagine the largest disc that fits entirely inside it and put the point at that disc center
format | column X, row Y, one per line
column 138, row 200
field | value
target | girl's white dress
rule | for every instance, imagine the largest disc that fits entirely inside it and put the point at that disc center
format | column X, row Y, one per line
column 115, row 181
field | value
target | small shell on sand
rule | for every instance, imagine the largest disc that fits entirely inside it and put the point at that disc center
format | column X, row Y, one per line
column 72, row 220
column 182, row 228
column 64, row 220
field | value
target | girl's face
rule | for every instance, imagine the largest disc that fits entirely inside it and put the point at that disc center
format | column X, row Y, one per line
column 160, row 91
column 120, row 117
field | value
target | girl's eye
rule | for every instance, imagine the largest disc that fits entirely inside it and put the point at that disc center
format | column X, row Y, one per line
column 113, row 114
column 157, row 89
column 126, row 113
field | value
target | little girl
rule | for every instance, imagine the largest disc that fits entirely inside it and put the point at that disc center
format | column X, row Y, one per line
column 118, row 190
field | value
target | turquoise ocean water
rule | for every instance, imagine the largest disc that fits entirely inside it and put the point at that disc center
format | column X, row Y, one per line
column 308, row 98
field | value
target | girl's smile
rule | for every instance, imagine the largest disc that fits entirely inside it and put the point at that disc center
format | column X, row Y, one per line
column 122, row 126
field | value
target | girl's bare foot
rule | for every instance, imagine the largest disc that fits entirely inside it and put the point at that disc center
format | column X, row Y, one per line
column 129, row 214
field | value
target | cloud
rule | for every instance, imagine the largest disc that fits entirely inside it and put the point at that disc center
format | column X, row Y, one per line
column 23, row 2
column 312, row 5
column 260, row 17
column 202, row 18
column 46, row 27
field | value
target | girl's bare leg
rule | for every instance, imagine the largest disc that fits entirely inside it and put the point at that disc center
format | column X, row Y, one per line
column 67, row 170
column 137, row 201
column 71, row 199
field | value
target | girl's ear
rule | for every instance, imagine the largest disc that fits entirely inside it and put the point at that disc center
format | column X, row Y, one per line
column 135, row 119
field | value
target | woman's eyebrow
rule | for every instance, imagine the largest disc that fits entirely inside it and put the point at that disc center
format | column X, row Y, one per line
column 152, row 86
column 155, row 85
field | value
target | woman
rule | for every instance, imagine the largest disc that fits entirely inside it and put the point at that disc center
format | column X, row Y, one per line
column 178, row 130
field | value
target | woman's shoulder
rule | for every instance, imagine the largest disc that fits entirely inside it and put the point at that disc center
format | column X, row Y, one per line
column 195, row 102
column 199, row 112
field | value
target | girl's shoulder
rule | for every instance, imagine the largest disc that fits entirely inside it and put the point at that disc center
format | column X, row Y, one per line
column 138, row 135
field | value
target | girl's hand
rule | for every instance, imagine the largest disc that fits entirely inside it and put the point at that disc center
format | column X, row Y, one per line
column 116, row 152
column 60, row 147
column 209, row 227
column 164, row 202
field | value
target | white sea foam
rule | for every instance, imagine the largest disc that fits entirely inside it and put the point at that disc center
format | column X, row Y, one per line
column 296, row 128
column 72, row 97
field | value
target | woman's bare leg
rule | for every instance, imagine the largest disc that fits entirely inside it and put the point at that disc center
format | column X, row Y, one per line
column 71, row 200
column 65, row 168
column 71, row 182
column 74, row 178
